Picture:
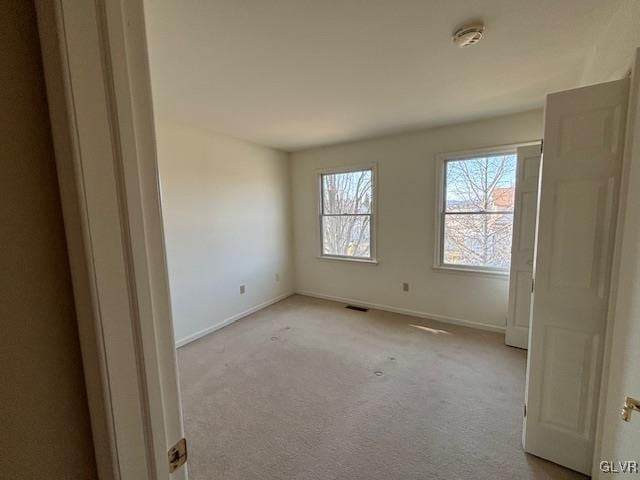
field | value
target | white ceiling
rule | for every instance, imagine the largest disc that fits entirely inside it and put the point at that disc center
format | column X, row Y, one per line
column 294, row 74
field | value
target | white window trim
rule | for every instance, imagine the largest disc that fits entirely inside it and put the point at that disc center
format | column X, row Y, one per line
column 441, row 160
column 372, row 259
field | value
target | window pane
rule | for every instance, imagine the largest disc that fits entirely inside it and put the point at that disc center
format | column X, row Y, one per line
column 485, row 184
column 478, row 240
column 347, row 236
column 348, row 192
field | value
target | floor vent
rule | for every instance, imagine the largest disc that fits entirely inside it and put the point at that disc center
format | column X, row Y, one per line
column 359, row 309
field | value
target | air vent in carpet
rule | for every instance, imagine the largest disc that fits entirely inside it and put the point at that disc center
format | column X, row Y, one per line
column 360, row 309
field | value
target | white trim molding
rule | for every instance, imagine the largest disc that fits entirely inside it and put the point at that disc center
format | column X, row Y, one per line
column 406, row 311
column 334, row 258
column 53, row 43
column 228, row 321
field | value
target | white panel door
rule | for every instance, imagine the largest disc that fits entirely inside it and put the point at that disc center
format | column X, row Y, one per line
column 583, row 144
column 524, row 232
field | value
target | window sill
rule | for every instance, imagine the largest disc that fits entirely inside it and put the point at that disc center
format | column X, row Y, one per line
column 367, row 261
column 472, row 271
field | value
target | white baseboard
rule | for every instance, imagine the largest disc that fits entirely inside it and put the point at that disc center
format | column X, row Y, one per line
column 195, row 336
column 405, row 311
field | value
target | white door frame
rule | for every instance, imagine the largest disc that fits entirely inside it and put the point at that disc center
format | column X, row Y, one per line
column 632, row 139
column 98, row 87
column 99, row 93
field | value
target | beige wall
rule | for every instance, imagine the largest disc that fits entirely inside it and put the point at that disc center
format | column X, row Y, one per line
column 405, row 241
column 612, row 54
column 45, row 431
column 227, row 219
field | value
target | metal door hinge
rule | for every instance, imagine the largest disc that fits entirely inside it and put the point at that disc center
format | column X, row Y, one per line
column 177, row 455
column 525, row 410
column 542, row 146
column 630, row 405
column 533, row 284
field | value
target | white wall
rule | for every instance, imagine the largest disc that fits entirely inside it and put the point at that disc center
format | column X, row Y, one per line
column 406, row 196
column 612, row 54
column 226, row 208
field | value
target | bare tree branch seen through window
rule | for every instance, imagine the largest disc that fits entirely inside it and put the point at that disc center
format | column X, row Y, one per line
column 478, row 211
column 346, row 213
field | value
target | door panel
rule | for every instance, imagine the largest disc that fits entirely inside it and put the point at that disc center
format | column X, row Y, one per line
column 574, row 239
column 527, row 230
column 524, row 226
column 567, row 351
column 523, row 300
column 575, row 258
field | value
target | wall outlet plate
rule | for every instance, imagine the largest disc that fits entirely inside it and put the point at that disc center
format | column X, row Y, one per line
column 242, row 289
column 405, row 287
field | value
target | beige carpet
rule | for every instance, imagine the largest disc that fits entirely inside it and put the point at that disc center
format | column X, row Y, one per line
column 309, row 390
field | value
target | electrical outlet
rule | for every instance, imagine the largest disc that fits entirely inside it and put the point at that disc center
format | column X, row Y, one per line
column 277, row 277
column 242, row 289
column 405, row 287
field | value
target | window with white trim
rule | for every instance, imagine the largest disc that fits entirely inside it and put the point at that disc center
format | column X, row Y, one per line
column 476, row 211
column 347, row 214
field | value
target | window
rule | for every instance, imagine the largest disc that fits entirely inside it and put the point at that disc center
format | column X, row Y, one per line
column 346, row 214
column 476, row 211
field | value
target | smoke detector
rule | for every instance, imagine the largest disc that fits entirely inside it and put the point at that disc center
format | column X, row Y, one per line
column 467, row 36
